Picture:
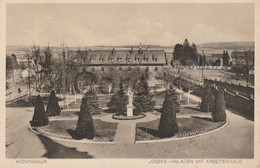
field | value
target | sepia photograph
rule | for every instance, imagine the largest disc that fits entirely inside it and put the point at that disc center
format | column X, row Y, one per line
column 171, row 83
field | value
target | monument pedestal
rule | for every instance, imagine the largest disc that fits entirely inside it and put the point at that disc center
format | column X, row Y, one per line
column 129, row 110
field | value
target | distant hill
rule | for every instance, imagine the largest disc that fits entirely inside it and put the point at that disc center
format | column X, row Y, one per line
column 228, row 45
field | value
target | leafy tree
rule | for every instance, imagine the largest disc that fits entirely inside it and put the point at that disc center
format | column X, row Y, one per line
column 143, row 95
column 177, row 53
column 11, row 63
column 218, row 113
column 53, row 108
column 207, row 102
column 185, row 53
column 85, row 125
column 118, row 101
column 168, row 123
column 39, row 117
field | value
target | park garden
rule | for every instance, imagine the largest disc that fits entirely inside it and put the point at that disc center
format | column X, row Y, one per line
column 156, row 113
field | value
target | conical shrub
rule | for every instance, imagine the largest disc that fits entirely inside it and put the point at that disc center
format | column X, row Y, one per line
column 143, row 95
column 218, row 113
column 207, row 102
column 168, row 123
column 94, row 101
column 53, row 108
column 39, row 117
column 85, row 125
column 118, row 101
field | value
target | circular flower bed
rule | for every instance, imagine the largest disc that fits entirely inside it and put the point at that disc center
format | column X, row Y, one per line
column 122, row 117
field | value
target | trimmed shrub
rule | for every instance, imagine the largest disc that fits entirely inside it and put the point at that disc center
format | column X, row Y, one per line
column 85, row 125
column 39, row 117
column 218, row 113
column 118, row 101
column 143, row 95
column 168, row 123
column 53, row 108
column 207, row 101
column 138, row 109
column 94, row 101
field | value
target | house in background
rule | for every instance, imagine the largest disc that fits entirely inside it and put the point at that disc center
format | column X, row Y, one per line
column 27, row 72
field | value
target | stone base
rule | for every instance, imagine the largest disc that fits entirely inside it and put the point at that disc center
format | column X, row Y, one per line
column 129, row 111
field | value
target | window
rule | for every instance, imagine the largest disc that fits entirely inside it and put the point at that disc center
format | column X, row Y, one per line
column 138, row 68
column 111, row 68
column 137, row 59
column 147, row 68
column 102, row 68
column 155, row 59
column 93, row 69
column 110, row 59
column 128, row 59
column 129, row 68
column 120, row 68
column 146, row 59
column 92, row 59
column 156, row 69
column 83, row 61
column 74, row 59
column 80, row 84
column 119, row 59
column 101, row 59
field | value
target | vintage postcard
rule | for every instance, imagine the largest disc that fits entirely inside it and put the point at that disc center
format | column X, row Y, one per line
column 129, row 84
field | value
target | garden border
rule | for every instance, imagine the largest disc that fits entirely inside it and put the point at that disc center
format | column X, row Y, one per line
column 69, row 140
column 183, row 138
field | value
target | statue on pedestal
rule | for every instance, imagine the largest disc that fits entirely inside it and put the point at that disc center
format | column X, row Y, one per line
column 130, row 103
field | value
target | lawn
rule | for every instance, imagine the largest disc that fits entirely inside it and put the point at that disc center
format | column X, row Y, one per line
column 23, row 102
column 187, row 127
column 104, row 131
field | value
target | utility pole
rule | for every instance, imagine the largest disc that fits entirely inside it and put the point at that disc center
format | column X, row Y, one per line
column 63, row 46
column 202, row 78
column 29, row 76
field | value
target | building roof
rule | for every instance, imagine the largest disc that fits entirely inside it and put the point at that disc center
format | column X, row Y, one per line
column 119, row 57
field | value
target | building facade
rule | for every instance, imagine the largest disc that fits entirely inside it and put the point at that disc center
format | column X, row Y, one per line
column 116, row 60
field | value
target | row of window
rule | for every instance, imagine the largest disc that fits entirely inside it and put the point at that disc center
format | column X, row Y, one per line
column 111, row 59
column 121, row 68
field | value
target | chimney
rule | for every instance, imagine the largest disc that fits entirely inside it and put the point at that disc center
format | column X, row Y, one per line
column 113, row 51
column 140, row 48
column 132, row 50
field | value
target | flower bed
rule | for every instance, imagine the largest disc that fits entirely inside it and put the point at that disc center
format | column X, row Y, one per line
column 187, row 127
column 104, row 131
column 122, row 117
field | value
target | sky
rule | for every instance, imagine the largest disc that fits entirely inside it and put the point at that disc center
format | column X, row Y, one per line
column 113, row 24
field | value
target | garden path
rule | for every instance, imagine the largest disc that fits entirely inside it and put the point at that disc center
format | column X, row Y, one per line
column 126, row 129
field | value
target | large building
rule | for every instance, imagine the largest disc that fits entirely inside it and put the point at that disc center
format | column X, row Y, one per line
column 115, row 60
column 105, row 60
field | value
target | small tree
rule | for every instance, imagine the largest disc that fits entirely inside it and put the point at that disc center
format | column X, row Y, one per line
column 218, row 113
column 85, row 125
column 207, row 101
column 168, row 123
column 39, row 117
column 53, row 108
column 143, row 96
column 118, row 101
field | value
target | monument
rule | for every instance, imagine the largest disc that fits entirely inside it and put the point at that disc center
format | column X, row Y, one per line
column 130, row 106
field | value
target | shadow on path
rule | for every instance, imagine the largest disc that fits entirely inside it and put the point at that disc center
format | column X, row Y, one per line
column 56, row 150
column 240, row 114
column 152, row 132
column 203, row 118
